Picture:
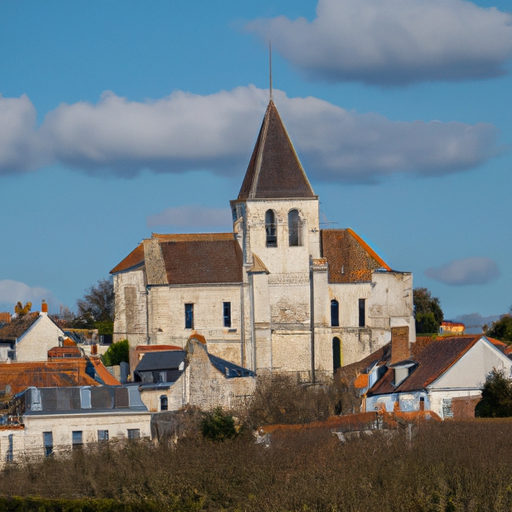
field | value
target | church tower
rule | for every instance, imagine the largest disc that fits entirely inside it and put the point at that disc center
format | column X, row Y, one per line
column 276, row 221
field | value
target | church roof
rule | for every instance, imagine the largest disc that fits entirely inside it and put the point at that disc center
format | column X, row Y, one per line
column 274, row 170
column 350, row 258
column 201, row 258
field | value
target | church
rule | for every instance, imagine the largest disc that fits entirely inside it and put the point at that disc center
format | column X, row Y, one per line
column 278, row 294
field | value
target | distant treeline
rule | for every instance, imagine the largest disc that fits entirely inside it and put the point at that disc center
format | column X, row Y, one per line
column 448, row 466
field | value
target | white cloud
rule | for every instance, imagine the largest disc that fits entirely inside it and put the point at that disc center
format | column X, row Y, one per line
column 216, row 133
column 393, row 42
column 191, row 216
column 466, row 271
column 178, row 133
column 20, row 148
column 13, row 291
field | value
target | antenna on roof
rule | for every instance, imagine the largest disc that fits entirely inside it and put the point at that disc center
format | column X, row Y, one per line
column 270, row 65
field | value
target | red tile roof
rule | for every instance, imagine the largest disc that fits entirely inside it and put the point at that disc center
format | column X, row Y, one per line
column 102, row 372
column 58, row 373
column 274, row 170
column 349, row 257
column 136, row 257
column 203, row 261
column 434, row 360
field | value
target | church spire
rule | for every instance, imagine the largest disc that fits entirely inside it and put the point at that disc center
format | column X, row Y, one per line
column 274, row 170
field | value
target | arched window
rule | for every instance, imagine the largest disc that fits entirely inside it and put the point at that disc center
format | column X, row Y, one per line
column 294, row 233
column 270, row 228
column 163, row 403
column 335, row 313
column 336, row 354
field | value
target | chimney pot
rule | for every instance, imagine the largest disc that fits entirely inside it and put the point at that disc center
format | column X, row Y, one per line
column 44, row 307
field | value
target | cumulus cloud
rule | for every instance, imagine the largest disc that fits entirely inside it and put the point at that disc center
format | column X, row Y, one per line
column 21, row 149
column 13, row 291
column 393, row 42
column 190, row 216
column 215, row 133
column 466, row 271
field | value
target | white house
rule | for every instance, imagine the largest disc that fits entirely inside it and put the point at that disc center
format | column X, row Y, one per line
column 445, row 376
column 278, row 294
column 29, row 337
column 46, row 421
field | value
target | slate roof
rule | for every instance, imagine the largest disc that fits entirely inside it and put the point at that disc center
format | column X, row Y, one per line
column 166, row 360
column 229, row 369
column 17, row 328
column 39, row 401
column 274, row 170
column 432, row 361
column 61, row 373
column 350, row 258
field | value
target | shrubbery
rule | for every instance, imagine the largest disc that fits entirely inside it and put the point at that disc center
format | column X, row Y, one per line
column 448, row 466
column 117, row 353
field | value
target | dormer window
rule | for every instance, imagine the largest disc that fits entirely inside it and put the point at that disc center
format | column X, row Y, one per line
column 294, row 230
column 271, row 228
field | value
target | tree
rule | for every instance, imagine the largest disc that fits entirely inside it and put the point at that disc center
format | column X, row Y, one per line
column 218, row 426
column 96, row 309
column 427, row 311
column 117, row 353
column 496, row 397
column 502, row 328
column 22, row 310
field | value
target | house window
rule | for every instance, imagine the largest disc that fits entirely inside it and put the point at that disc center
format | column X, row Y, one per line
column 189, row 316
column 270, row 228
column 294, row 238
column 133, row 434
column 226, row 313
column 77, row 439
column 48, row 444
column 102, row 435
column 335, row 313
column 362, row 312
column 447, row 408
column 164, row 404
column 9, row 455
column 336, row 354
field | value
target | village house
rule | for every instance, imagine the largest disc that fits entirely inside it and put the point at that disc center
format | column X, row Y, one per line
column 444, row 375
column 47, row 421
column 29, row 337
column 169, row 380
column 278, row 294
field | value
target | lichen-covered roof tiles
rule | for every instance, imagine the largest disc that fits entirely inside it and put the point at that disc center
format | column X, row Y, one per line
column 350, row 259
column 15, row 329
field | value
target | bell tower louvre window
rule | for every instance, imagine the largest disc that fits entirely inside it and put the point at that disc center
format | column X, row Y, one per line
column 271, row 228
column 294, row 238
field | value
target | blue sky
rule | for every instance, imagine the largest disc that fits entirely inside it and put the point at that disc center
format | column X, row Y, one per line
column 122, row 118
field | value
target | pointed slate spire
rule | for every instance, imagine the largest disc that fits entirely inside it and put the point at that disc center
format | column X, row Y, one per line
column 274, row 170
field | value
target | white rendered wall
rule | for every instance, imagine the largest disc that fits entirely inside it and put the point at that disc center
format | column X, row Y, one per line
column 40, row 337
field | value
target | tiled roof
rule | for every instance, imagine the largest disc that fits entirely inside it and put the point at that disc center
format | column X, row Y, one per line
column 18, row 327
column 274, row 170
column 156, row 361
column 136, row 257
column 350, row 259
column 434, row 360
column 102, row 373
column 59, row 373
column 203, row 261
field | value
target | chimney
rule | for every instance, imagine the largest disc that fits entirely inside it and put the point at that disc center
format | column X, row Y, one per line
column 44, row 307
column 400, row 344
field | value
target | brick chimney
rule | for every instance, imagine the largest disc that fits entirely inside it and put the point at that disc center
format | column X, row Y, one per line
column 44, row 307
column 400, row 350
